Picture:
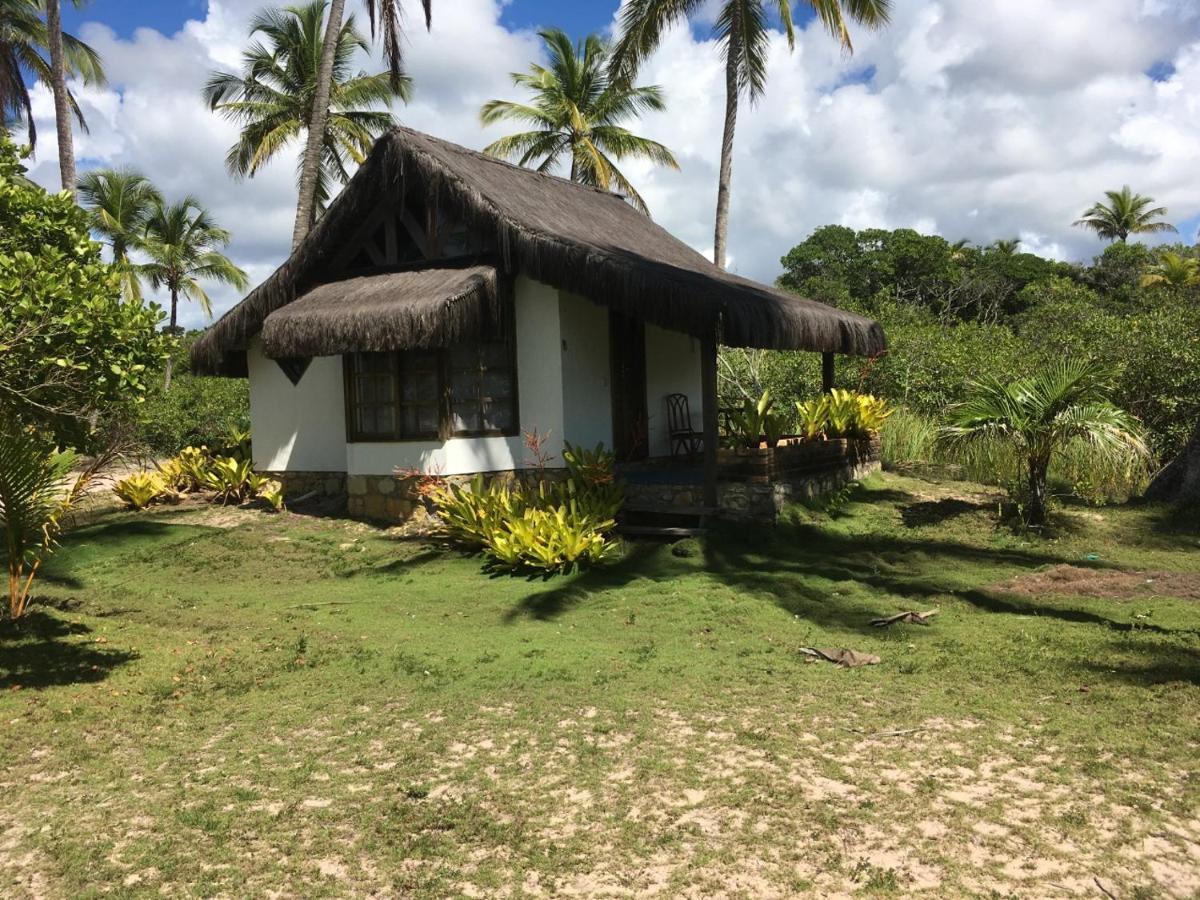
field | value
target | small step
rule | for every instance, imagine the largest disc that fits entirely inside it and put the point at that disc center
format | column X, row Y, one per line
column 699, row 511
column 659, row 531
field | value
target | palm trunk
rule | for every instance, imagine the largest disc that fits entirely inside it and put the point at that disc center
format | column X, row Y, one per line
column 1037, row 492
column 316, row 125
column 62, row 101
column 732, row 89
column 171, row 359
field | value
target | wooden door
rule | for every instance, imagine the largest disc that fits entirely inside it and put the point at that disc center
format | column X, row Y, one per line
column 627, row 348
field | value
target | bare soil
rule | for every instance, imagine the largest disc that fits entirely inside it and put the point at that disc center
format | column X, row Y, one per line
column 1104, row 584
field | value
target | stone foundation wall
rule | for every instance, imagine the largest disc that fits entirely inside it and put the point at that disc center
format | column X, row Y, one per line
column 762, row 502
column 298, row 484
column 749, row 500
column 394, row 499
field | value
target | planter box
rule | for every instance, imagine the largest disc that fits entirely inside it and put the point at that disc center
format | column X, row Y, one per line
column 793, row 458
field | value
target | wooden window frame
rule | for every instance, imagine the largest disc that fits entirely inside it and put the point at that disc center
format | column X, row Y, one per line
column 444, row 432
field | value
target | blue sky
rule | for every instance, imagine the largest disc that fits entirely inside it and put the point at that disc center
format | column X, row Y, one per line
column 975, row 119
column 168, row 16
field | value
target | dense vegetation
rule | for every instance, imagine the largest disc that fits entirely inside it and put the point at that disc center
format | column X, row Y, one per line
column 954, row 313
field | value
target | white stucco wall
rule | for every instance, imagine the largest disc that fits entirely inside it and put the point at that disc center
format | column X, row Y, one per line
column 672, row 367
column 563, row 383
column 300, row 427
column 539, row 397
column 586, row 371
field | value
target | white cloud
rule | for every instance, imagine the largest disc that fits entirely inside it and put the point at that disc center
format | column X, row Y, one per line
column 984, row 119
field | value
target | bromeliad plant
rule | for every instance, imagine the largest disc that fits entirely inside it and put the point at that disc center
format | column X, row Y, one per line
column 756, row 422
column 37, row 494
column 554, row 527
column 842, row 414
column 141, row 489
column 1039, row 417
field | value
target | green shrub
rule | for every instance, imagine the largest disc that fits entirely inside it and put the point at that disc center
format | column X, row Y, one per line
column 195, row 412
column 231, row 478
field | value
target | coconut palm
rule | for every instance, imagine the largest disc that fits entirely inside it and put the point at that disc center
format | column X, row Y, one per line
column 24, row 48
column 1039, row 415
column 1125, row 213
column 1006, row 246
column 742, row 29
column 385, row 16
column 120, row 202
column 1174, row 271
column 576, row 112
column 184, row 246
column 273, row 96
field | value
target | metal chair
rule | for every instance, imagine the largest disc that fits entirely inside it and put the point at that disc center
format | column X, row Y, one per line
column 684, row 438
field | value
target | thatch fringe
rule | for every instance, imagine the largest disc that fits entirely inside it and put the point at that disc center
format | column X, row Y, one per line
column 392, row 310
column 570, row 236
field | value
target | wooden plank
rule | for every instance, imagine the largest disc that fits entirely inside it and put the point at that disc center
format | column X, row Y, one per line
column 656, row 531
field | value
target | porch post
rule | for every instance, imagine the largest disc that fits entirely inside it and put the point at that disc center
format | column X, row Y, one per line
column 708, row 386
column 827, row 373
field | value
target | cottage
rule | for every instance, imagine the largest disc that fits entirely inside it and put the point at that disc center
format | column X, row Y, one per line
column 448, row 303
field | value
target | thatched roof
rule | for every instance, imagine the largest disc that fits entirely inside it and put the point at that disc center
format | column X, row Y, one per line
column 564, row 234
column 420, row 307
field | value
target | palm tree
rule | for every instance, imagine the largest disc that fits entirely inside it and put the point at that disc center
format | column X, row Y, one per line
column 1174, row 271
column 577, row 112
column 273, row 97
column 1038, row 415
column 120, row 202
column 183, row 244
column 384, row 15
column 24, row 46
column 1006, row 246
column 742, row 29
column 1126, row 213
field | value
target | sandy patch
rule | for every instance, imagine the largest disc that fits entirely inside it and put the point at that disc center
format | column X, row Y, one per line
column 1106, row 584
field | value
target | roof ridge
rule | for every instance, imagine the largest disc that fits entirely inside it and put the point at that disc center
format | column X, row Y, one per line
column 478, row 154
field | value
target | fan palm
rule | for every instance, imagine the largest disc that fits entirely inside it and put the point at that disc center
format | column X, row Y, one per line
column 1125, row 213
column 184, row 246
column 577, row 112
column 742, row 29
column 24, row 47
column 1037, row 416
column 1173, row 271
column 385, row 16
column 273, row 96
column 120, row 202
column 36, row 496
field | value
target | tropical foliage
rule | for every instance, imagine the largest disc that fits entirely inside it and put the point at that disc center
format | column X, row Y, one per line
column 1038, row 416
column 272, row 98
column 742, row 30
column 25, row 49
column 385, row 16
column 1125, row 213
column 1173, row 271
column 576, row 114
column 73, row 352
column 183, row 244
column 120, row 202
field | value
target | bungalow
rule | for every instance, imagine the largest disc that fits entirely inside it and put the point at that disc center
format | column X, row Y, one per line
column 449, row 303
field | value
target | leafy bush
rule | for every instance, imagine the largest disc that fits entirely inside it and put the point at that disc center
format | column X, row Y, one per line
column 71, row 350
column 141, row 489
column 551, row 528
column 197, row 411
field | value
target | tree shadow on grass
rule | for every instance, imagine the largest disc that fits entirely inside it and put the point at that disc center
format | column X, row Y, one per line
column 1156, row 662
column 643, row 560
column 935, row 512
column 42, row 650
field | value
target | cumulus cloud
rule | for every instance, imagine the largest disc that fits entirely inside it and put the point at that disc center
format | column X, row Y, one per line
column 977, row 119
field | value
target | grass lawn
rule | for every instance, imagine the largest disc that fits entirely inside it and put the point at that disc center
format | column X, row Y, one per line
column 224, row 703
